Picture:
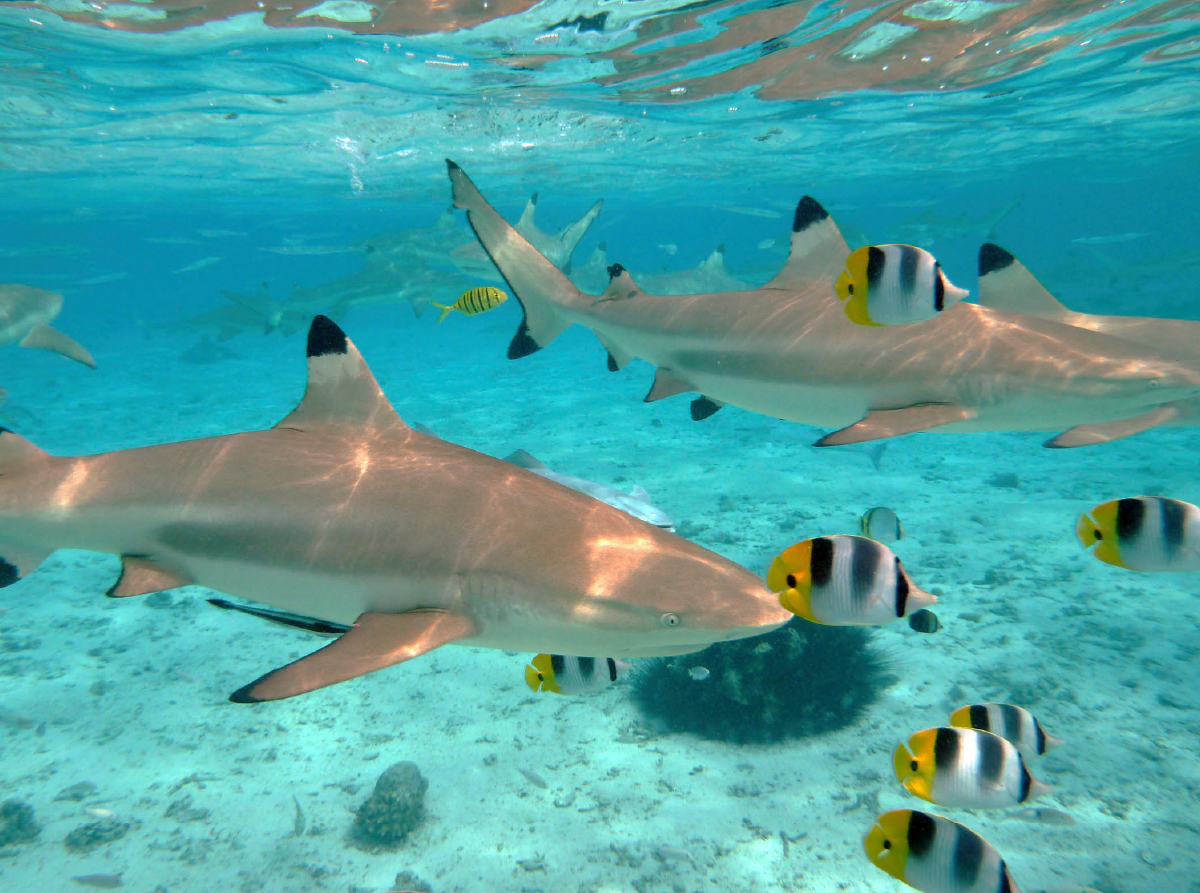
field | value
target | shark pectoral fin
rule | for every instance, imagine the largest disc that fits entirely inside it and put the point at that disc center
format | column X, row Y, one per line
column 374, row 642
column 17, row 564
column 704, row 407
column 341, row 389
column 46, row 338
column 1005, row 284
column 1103, row 432
column 618, row 359
column 818, row 250
column 881, row 423
column 666, row 384
column 141, row 576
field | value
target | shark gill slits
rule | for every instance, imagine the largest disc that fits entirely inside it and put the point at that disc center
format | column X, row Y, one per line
column 808, row 212
column 325, row 337
column 992, row 258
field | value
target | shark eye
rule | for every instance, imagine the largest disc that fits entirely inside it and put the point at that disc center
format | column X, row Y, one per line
column 671, row 620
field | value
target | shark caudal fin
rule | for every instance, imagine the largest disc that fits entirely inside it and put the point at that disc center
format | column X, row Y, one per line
column 1005, row 284
column 818, row 250
column 544, row 291
column 16, row 455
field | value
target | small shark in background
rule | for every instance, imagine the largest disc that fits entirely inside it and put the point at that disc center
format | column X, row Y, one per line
column 636, row 502
column 711, row 274
column 25, row 317
column 787, row 350
column 345, row 515
column 249, row 313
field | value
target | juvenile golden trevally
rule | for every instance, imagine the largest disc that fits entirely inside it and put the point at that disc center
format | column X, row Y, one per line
column 343, row 514
column 787, row 349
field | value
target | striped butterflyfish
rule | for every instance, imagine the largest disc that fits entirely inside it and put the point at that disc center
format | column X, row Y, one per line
column 845, row 580
column 1014, row 724
column 965, row 768
column 474, row 300
column 567, row 675
column 1143, row 533
column 891, row 285
column 935, row 855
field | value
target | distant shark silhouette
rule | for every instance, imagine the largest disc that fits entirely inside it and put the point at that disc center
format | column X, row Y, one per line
column 345, row 515
column 711, row 274
column 786, row 349
column 253, row 313
column 25, row 317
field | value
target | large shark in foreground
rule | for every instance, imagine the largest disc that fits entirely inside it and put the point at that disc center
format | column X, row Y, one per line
column 787, row 349
column 344, row 514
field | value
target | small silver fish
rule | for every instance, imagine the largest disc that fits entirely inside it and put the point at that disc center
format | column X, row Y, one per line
column 882, row 525
column 699, row 673
column 1043, row 815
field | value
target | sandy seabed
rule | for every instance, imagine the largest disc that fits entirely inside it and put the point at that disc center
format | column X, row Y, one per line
column 130, row 696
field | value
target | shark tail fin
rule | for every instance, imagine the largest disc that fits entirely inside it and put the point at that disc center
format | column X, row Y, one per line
column 17, row 453
column 572, row 235
column 1005, row 284
column 544, row 291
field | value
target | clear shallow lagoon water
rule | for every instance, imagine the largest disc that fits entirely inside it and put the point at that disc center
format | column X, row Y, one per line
column 155, row 155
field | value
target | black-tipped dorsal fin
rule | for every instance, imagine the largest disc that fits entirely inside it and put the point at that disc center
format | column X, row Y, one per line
column 341, row 389
column 620, row 285
column 818, row 250
column 1005, row 284
column 17, row 452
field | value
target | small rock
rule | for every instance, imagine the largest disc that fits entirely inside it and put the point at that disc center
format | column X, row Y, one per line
column 85, row 838
column 17, row 824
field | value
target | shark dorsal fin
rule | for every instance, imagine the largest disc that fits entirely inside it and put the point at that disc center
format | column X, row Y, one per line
column 525, row 460
column 715, row 261
column 620, row 285
column 341, row 389
column 818, row 250
column 525, row 223
column 1005, row 284
column 17, row 452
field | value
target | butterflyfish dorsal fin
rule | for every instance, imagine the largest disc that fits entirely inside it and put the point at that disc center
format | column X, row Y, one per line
column 341, row 389
column 1005, row 284
column 818, row 251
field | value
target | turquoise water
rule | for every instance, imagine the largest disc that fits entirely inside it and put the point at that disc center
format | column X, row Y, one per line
column 154, row 156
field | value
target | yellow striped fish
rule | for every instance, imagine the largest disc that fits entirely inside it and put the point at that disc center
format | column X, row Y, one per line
column 474, row 300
